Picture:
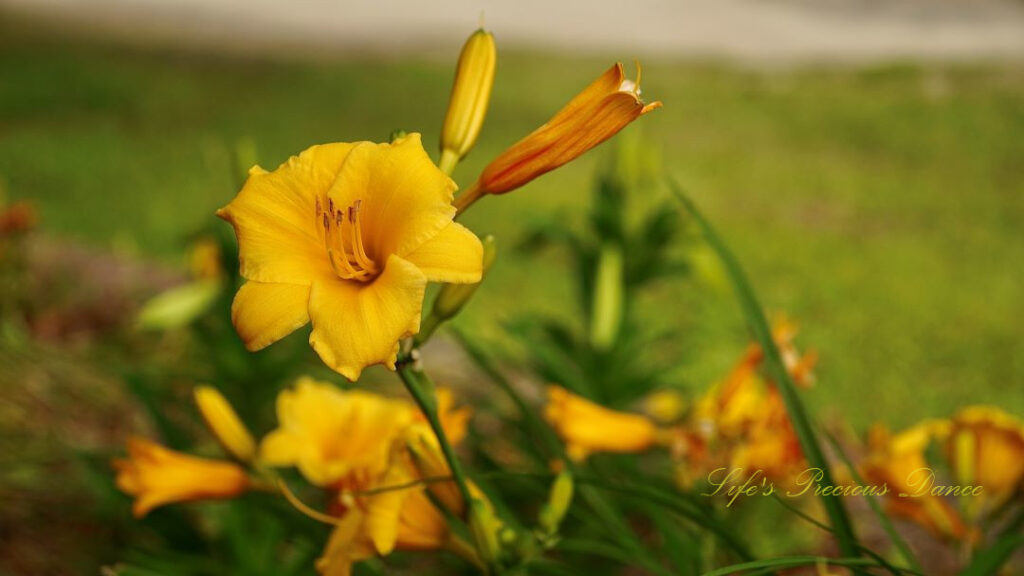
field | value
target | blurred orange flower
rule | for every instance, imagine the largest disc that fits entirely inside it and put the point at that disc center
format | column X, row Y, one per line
column 588, row 427
column 898, row 461
column 985, row 447
column 156, row 476
column 594, row 115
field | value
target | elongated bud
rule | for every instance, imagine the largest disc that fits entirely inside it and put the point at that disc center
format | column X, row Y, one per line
column 471, row 93
column 606, row 313
column 452, row 297
column 606, row 106
column 552, row 513
column 485, row 527
column 224, row 423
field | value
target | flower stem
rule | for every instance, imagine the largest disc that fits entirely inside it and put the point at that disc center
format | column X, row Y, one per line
column 466, row 199
column 449, row 160
column 421, row 388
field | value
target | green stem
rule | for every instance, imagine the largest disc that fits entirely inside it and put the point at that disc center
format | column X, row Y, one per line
column 467, row 198
column 449, row 160
column 421, row 388
column 609, row 514
column 430, row 324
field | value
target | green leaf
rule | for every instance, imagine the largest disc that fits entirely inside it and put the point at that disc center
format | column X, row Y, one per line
column 758, row 324
column 764, row 566
column 989, row 560
column 179, row 306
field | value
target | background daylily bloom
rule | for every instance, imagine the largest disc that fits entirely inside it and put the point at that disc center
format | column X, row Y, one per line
column 156, row 476
column 403, row 519
column 378, row 519
column 985, row 448
column 588, row 427
column 596, row 114
column 897, row 461
column 336, row 438
column 346, row 236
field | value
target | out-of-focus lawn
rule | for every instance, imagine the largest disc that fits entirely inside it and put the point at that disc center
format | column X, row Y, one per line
column 882, row 208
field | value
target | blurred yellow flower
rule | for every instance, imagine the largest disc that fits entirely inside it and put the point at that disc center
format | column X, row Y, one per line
column 346, row 235
column 204, row 260
column 378, row 518
column 899, row 463
column 742, row 420
column 224, row 423
column 155, row 476
column 338, row 439
column 985, row 448
column 455, row 421
column 401, row 518
column 587, row 427
column 665, row 405
column 596, row 114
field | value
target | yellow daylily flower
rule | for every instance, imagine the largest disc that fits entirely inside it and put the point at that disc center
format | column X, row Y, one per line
column 665, row 405
column 156, row 476
column 985, row 448
column 399, row 519
column 731, row 406
column 775, row 451
column 594, row 115
column 346, row 236
column 588, row 427
column 224, row 423
column 898, row 461
column 380, row 519
column 338, row 439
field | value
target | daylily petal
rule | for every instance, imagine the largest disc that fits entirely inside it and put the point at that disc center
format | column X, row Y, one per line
column 385, row 508
column 279, row 448
column 156, row 476
column 605, row 84
column 356, row 325
column 274, row 217
column 406, row 199
column 345, row 546
column 263, row 313
column 454, row 255
column 421, row 525
column 590, row 427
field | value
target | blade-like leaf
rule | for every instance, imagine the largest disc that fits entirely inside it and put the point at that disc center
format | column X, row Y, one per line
column 794, row 406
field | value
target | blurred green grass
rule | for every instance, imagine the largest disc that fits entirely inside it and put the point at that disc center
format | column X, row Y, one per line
column 881, row 207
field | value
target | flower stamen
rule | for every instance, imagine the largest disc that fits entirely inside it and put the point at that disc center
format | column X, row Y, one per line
column 345, row 249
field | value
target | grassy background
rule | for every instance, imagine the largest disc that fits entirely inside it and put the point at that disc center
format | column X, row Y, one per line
column 880, row 207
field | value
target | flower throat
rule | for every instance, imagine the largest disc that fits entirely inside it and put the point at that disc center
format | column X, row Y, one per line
column 343, row 239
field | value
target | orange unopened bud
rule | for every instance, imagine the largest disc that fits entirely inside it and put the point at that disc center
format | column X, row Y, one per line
column 593, row 116
column 156, row 476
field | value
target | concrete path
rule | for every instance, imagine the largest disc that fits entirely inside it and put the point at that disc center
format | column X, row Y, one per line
column 746, row 30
